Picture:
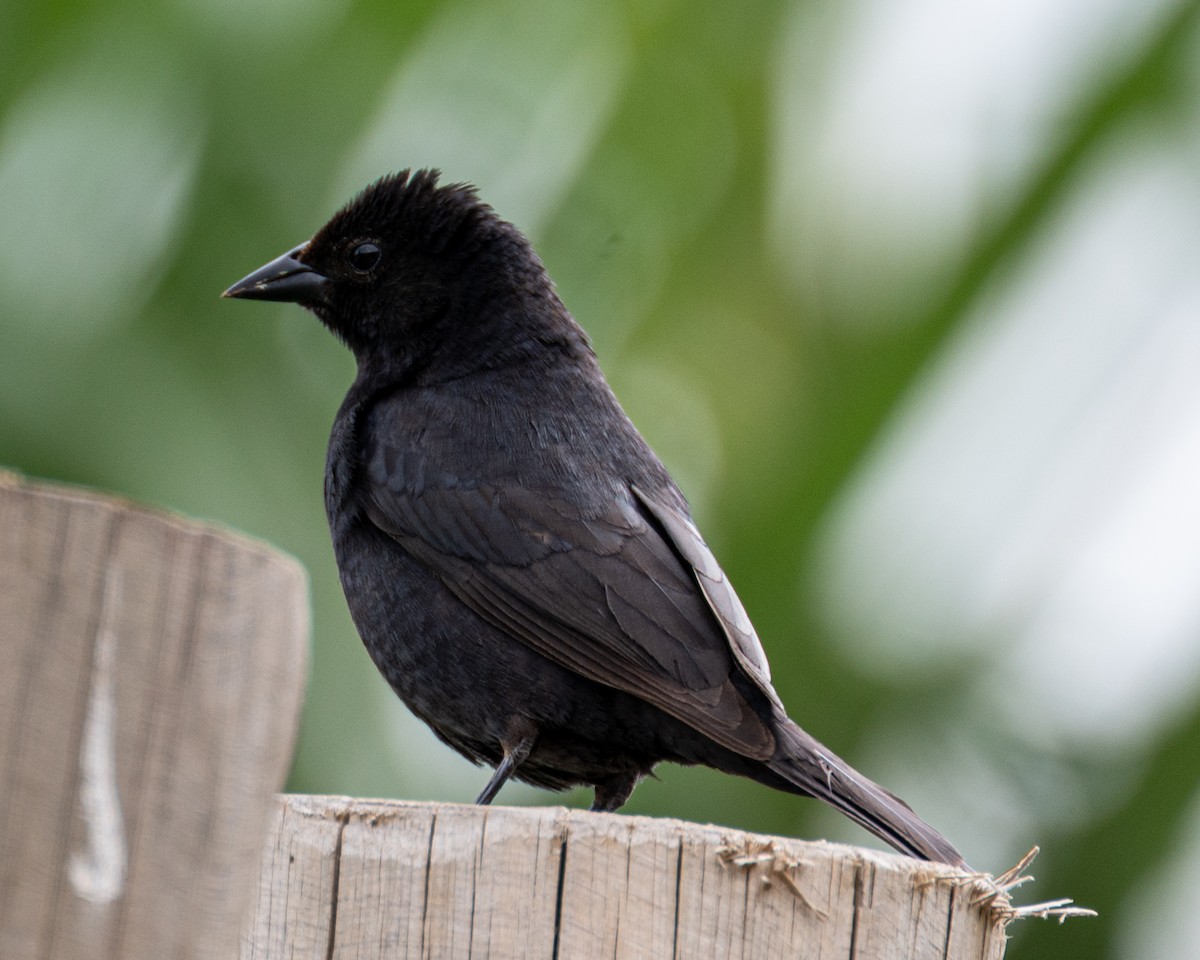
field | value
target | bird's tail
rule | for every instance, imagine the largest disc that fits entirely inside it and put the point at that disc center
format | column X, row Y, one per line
column 807, row 765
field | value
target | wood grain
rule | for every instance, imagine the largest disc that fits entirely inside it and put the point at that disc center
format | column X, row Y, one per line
column 366, row 879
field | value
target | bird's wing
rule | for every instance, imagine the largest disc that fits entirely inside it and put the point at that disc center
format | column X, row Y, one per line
column 677, row 526
column 627, row 595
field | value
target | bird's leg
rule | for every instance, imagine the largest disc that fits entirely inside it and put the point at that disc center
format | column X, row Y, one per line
column 612, row 793
column 514, row 756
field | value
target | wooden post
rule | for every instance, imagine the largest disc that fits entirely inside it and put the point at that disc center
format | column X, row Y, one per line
column 349, row 878
column 150, row 679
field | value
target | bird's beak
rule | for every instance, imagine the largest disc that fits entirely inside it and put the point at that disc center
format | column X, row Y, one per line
column 285, row 279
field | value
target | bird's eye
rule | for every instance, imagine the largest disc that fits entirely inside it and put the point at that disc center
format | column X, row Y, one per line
column 365, row 256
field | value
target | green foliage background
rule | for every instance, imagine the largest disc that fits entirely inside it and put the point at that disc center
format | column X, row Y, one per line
column 766, row 334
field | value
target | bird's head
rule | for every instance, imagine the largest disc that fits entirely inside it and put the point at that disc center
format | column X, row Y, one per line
column 409, row 267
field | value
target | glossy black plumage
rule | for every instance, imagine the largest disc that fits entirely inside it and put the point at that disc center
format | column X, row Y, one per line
column 520, row 565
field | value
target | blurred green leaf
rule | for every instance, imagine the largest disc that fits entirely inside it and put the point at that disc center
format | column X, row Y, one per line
column 772, row 253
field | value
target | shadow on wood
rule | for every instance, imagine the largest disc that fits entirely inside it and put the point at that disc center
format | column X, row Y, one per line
column 151, row 670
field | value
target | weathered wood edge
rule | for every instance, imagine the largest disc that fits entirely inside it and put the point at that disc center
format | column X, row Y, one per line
column 348, row 877
column 11, row 479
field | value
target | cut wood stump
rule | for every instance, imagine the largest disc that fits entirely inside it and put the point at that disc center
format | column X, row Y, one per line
column 353, row 878
column 151, row 671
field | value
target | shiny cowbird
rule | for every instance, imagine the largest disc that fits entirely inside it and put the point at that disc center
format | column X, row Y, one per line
column 520, row 565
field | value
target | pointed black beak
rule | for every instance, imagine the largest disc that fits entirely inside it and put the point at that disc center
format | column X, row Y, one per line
column 285, row 279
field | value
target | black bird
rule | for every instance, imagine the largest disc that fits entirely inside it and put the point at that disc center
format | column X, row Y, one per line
column 519, row 564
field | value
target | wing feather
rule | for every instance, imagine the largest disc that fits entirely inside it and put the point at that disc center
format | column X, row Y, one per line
column 608, row 592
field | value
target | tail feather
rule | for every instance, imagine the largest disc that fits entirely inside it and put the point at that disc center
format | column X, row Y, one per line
column 809, row 766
